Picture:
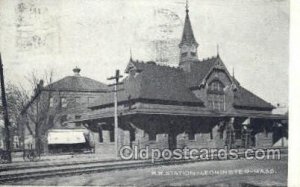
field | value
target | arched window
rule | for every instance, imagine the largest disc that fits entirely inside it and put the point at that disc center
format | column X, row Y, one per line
column 216, row 96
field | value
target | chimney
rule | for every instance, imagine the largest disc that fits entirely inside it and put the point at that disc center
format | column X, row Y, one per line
column 76, row 71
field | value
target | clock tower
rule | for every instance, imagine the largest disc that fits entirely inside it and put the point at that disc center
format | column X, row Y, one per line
column 188, row 45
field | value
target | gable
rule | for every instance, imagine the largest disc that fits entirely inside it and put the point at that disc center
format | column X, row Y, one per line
column 219, row 75
column 218, row 71
column 199, row 70
column 130, row 66
column 207, row 71
column 202, row 70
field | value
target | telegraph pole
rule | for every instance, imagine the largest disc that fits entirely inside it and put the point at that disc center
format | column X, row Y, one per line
column 5, row 113
column 116, row 78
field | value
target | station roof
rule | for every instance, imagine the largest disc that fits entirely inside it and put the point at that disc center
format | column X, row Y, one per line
column 172, row 85
column 77, row 84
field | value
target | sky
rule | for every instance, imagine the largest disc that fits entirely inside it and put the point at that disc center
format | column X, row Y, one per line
column 98, row 35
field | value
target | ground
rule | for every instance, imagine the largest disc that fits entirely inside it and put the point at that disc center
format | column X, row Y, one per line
column 271, row 173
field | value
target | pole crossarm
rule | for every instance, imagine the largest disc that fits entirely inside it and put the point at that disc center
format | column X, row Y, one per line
column 120, row 83
column 115, row 77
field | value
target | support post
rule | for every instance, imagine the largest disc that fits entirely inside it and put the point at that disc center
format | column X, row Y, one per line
column 230, row 134
column 116, row 119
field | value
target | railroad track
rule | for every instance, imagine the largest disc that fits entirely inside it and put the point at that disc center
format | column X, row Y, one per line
column 67, row 169
column 9, row 167
column 83, row 169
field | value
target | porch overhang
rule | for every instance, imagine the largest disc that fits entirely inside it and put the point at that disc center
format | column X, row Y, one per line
column 169, row 112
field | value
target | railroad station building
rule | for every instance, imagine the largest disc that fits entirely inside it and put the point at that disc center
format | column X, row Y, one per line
column 198, row 104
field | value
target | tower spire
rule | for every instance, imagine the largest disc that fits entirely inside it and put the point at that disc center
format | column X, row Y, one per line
column 188, row 34
column 130, row 55
column 130, row 52
column 187, row 6
column 217, row 50
column 188, row 44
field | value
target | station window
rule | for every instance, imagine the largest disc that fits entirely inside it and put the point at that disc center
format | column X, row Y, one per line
column 63, row 102
column 51, row 102
column 100, row 135
column 216, row 96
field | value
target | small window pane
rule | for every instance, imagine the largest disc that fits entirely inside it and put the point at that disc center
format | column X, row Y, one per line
column 63, row 102
column 51, row 102
column 215, row 96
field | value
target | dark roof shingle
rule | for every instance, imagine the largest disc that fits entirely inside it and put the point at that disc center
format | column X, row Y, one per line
column 154, row 82
column 199, row 69
column 164, row 83
column 244, row 98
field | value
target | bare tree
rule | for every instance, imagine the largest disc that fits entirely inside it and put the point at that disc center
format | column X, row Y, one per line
column 34, row 79
column 17, row 97
column 38, row 108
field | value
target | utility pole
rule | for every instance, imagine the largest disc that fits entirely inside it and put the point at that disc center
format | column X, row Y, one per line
column 116, row 78
column 5, row 113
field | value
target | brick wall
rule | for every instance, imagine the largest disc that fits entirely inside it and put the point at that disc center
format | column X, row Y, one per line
column 107, row 148
column 263, row 139
column 202, row 140
column 207, row 135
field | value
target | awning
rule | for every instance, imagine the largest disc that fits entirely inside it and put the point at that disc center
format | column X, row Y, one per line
column 66, row 137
